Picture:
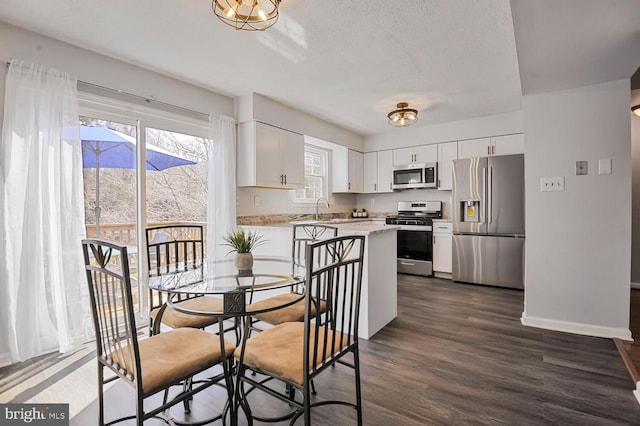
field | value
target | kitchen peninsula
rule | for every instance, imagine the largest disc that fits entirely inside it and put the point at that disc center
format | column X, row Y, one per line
column 379, row 298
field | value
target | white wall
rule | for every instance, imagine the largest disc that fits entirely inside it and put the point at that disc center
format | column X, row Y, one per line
column 101, row 70
column 635, row 158
column 577, row 275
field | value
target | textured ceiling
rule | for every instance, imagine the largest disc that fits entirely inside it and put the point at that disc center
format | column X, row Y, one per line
column 571, row 43
column 348, row 62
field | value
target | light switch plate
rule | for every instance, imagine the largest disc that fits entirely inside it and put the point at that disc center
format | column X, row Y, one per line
column 552, row 184
column 604, row 166
column 582, row 168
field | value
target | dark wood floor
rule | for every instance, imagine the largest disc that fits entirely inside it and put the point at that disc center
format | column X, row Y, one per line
column 630, row 351
column 457, row 354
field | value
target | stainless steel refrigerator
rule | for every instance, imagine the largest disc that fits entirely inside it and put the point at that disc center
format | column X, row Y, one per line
column 488, row 220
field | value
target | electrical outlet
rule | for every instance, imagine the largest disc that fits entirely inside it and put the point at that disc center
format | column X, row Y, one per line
column 552, row 184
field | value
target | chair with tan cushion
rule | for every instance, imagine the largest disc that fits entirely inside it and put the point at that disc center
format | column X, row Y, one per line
column 149, row 365
column 177, row 248
column 302, row 235
column 296, row 352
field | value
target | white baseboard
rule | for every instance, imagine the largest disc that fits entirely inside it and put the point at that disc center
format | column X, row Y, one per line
column 635, row 285
column 577, row 328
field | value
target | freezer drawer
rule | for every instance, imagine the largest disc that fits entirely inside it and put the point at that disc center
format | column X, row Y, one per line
column 490, row 260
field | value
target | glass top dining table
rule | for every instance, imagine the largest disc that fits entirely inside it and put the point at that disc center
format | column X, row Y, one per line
column 220, row 277
column 238, row 290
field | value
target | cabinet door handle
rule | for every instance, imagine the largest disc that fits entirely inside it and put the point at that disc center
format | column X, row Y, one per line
column 285, row 179
column 349, row 186
column 375, row 187
column 493, row 149
column 281, row 179
column 488, row 150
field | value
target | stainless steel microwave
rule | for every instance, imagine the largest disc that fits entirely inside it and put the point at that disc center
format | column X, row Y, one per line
column 415, row 175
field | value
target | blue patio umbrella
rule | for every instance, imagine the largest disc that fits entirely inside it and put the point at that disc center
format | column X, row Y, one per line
column 106, row 148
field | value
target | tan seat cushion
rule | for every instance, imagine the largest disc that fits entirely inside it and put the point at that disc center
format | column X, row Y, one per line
column 279, row 350
column 175, row 319
column 171, row 357
column 292, row 313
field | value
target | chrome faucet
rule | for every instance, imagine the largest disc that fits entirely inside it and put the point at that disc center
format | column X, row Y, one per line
column 318, row 202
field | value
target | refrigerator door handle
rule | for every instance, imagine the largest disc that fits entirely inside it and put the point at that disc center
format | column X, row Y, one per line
column 490, row 195
column 484, row 191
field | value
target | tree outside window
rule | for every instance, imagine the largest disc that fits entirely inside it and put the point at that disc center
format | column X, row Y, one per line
column 315, row 175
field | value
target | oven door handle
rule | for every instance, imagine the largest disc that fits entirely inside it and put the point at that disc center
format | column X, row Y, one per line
column 416, row 228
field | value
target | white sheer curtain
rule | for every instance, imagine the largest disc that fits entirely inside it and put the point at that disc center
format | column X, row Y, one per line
column 43, row 297
column 221, row 203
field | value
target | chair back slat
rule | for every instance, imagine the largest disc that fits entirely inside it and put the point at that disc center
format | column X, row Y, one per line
column 302, row 236
column 173, row 248
column 335, row 278
column 107, row 270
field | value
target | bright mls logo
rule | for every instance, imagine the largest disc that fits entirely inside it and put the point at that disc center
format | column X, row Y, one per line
column 34, row 414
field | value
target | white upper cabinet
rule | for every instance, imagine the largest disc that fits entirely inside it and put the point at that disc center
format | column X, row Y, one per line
column 348, row 170
column 497, row 145
column 447, row 152
column 378, row 171
column 371, row 172
column 269, row 157
column 508, row 144
column 415, row 154
column 385, row 171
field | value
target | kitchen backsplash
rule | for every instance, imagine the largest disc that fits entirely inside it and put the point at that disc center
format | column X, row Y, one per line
column 277, row 205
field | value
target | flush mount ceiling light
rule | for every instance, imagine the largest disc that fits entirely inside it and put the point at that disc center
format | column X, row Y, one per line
column 636, row 110
column 247, row 15
column 403, row 116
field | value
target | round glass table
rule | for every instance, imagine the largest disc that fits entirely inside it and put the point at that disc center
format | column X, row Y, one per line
column 221, row 278
column 238, row 290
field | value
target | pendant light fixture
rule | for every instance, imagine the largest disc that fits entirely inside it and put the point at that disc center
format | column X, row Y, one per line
column 247, row 15
column 403, row 116
column 636, row 110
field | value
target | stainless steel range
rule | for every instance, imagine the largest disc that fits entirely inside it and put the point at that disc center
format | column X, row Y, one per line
column 415, row 236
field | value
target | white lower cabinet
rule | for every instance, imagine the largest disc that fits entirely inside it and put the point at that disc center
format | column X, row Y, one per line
column 442, row 247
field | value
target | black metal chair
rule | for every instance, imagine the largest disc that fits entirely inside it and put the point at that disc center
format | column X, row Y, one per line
column 302, row 235
column 174, row 248
column 149, row 365
column 296, row 352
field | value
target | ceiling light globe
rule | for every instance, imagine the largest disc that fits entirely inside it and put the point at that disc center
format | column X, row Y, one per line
column 247, row 15
column 403, row 116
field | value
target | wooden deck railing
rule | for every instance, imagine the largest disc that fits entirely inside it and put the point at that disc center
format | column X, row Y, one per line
column 125, row 233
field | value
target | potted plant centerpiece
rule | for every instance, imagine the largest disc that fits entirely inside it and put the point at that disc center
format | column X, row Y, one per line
column 243, row 242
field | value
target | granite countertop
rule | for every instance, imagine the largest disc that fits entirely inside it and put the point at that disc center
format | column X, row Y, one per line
column 360, row 226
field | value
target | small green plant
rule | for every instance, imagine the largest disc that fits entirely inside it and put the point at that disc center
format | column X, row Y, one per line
column 242, row 241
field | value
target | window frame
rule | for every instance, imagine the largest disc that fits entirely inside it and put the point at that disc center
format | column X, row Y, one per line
column 325, row 153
